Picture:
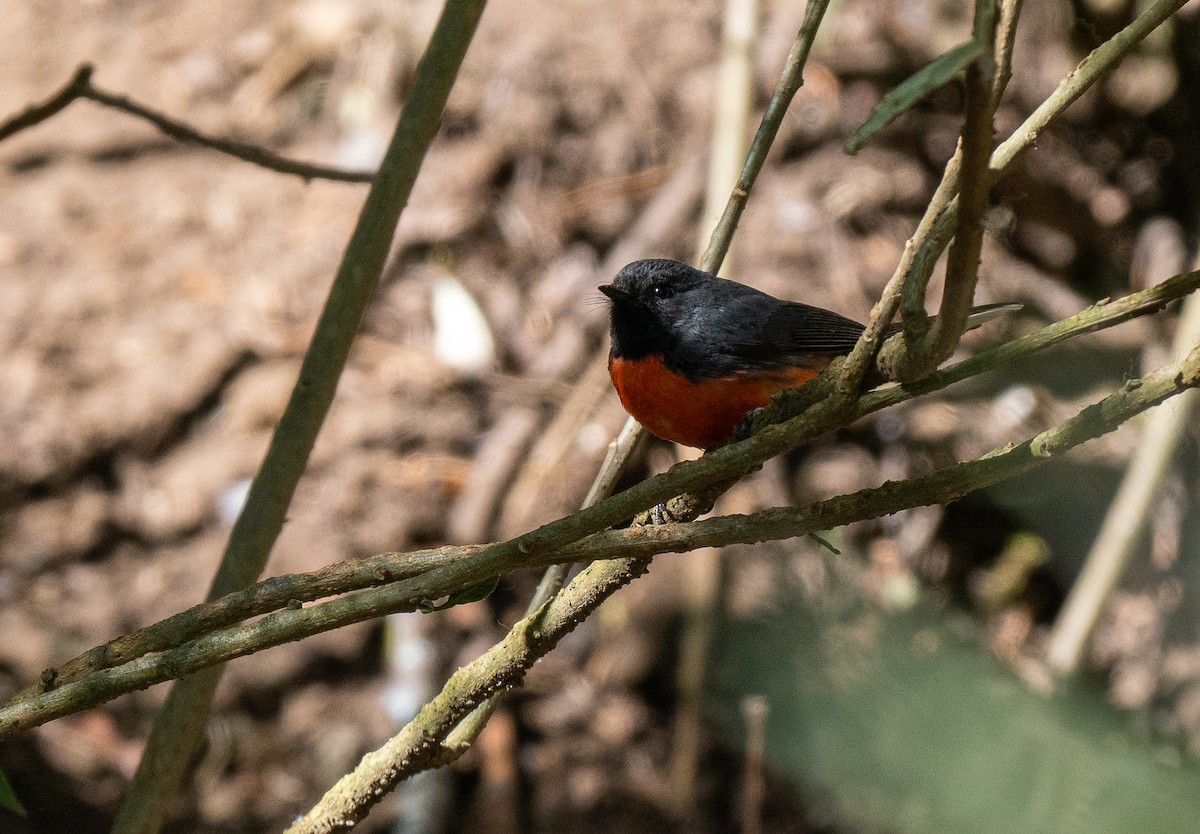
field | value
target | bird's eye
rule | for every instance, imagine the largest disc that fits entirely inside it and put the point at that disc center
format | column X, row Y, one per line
column 662, row 291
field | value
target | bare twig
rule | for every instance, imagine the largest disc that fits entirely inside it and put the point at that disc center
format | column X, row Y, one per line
column 180, row 725
column 35, row 114
column 81, row 87
column 1006, row 37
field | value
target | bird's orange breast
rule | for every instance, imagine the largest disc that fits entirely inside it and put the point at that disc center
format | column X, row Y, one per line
column 701, row 414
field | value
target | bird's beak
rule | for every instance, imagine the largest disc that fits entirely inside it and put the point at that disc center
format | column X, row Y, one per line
column 615, row 293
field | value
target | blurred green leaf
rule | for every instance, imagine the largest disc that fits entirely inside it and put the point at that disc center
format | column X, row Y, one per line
column 472, row 594
column 912, row 89
column 8, row 799
column 904, row 724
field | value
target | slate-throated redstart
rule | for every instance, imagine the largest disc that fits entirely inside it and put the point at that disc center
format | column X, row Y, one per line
column 693, row 354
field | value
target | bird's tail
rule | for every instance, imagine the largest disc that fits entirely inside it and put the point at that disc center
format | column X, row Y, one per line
column 986, row 312
column 980, row 315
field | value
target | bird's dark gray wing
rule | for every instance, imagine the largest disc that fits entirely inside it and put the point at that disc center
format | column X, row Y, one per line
column 788, row 334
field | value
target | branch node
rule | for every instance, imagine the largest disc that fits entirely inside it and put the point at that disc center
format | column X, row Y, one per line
column 82, row 80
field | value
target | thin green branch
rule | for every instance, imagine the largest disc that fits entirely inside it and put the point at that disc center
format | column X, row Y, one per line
column 456, row 568
column 1099, row 63
column 80, row 87
column 1099, row 316
column 931, row 236
column 180, row 725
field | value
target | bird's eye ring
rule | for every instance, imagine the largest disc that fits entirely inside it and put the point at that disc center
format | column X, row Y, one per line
column 662, row 291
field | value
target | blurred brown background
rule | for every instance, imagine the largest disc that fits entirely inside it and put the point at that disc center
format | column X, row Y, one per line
column 155, row 299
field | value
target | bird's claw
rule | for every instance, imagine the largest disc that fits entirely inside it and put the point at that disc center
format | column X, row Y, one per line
column 660, row 515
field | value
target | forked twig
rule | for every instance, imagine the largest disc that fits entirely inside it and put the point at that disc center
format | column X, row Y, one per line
column 81, row 87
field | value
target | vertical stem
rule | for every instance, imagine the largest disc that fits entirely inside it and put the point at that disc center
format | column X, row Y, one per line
column 180, row 725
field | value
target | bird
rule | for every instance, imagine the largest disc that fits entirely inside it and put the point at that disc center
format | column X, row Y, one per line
column 692, row 355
